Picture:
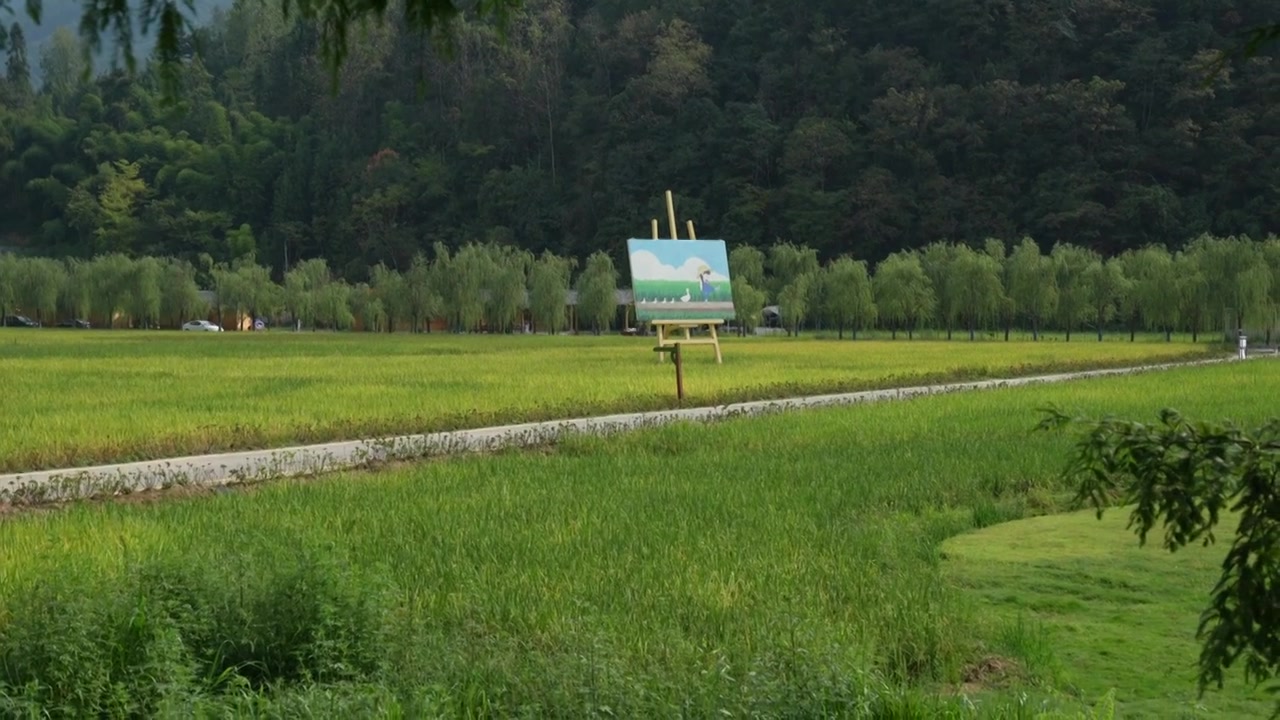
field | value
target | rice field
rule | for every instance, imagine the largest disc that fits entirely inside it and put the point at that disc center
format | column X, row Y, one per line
column 75, row 398
column 784, row 566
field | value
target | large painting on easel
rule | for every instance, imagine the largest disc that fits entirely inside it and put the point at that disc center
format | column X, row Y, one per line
column 680, row 279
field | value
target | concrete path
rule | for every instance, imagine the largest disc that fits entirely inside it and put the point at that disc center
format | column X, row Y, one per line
column 259, row 465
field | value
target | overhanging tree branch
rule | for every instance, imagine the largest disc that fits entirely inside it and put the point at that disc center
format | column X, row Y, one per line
column 334, row 19
column 1183, row 475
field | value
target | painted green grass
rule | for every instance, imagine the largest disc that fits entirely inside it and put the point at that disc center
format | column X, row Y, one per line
column 80, row 398
column 1113, row 614
column 780, row 566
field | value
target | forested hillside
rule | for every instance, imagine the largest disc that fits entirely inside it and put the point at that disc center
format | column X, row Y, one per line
column 850, row 127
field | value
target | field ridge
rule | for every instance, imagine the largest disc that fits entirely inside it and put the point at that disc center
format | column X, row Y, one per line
column 275, row 463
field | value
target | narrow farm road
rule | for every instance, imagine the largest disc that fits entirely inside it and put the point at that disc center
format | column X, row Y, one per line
column 260, row 465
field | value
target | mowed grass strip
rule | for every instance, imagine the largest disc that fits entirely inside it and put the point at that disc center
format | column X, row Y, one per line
column 784, row 565
column 81, row 398
column 1087, row 609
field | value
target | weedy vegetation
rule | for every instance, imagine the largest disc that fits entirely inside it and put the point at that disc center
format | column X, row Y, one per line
column 791, row 565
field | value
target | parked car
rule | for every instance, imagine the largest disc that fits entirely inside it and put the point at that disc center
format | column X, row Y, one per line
column 202, row 326
column 20, row 321
column 74, row 324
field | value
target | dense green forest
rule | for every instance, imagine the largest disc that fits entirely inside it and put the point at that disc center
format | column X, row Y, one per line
column 859, row 128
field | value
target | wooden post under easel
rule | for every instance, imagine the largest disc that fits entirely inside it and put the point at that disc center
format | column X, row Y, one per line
column 692, row 235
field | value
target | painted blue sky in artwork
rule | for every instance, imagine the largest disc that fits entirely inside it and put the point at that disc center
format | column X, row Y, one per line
column 677, row 259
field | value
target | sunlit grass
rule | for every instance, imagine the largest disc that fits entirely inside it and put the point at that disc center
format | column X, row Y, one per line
column 76, row 398
column 785, row 565
column 1107, row 613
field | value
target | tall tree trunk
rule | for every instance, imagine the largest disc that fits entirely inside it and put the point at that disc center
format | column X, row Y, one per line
column 551, row 138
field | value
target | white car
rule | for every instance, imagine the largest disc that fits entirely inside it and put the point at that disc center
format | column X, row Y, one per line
column 202, row 326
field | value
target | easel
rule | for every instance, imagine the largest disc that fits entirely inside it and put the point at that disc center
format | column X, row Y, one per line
column 664, row 327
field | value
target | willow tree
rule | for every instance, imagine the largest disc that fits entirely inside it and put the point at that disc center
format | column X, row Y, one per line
column 974, row 291
column 848, row 297
column 1104, row 287
column 794, row 303
column 1070, row 262
column 1033, row 284
column 506, row 286
column 936, row 260
column 9, row 269
column 904, row 296
column 746, row 267
column 549, row 292
column 387, row 286
column 598, row 292
column 1237, row 275
column 1155, row 288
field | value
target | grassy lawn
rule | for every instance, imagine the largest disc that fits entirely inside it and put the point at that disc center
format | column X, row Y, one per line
column 788, row 565
column 78, row 398
column 1113, row 615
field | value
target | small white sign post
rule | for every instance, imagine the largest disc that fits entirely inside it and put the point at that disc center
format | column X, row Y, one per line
column 1244, row 343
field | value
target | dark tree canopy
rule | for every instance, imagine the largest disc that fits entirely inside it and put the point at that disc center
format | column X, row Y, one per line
column 858, row 129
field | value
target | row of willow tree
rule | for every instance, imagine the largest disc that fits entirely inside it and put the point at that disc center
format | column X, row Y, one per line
column 1213, row 283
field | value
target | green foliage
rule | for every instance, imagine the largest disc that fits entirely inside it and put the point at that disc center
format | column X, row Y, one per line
column 794, row 300
column 1155, row 287
column 1071, row 264
column 206, row 622
column 499, row 287
column 746, row 264
column 847, row 294
column 1105, row 287
column 1237, row 274
column 974, row 288
column 903, row 292
column 1184, row 475
column 1033, row 284
column 597, row 292
column 549, row 292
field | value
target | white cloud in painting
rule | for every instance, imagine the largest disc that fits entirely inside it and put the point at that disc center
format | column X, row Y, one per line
column 646, row 266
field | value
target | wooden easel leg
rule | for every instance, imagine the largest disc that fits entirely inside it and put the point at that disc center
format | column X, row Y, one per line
column 661, row 340
column 716, row 343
